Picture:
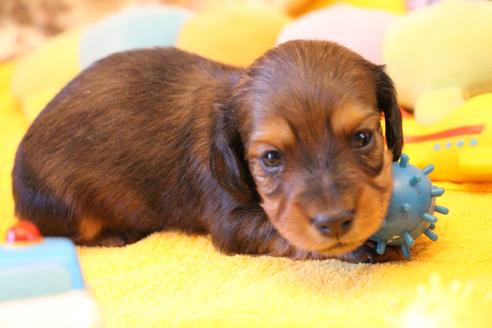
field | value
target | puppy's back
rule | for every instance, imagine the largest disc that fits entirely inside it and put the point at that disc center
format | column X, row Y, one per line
column 117, row 142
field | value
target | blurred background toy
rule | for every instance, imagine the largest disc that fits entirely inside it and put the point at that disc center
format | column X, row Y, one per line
column 132, row 28
column 439, row 56
column 361, row 30
column 439, row 304
column 41, row 284
column 460, row 145
column 411, row 210
column 235, row 34
column 41, row 74
column 397, row 7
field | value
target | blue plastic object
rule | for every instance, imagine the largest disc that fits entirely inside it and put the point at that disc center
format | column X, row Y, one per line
column 47, row 267
column 411, row 210
column 132, row 28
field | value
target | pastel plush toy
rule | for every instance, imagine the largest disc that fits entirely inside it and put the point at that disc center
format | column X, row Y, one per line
column 440, row 55
column 131, row 28
column 460, row 145
column 42, row 73
column 419, row 4
column 361, row 30
column 236, row 34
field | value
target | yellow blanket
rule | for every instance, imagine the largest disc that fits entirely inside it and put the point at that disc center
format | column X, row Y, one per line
column 170, row 279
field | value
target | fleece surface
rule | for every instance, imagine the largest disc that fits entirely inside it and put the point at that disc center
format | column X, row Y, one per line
column 170, row 279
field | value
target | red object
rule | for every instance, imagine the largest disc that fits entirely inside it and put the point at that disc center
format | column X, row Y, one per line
column 456, row 132
column 23, row 231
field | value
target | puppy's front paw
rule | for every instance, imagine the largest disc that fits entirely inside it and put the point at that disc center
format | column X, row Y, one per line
column 367, row 254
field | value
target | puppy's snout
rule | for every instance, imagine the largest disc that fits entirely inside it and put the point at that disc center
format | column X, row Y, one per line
column 334, row 224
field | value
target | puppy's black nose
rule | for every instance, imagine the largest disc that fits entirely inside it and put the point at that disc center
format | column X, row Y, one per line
column 334, row 224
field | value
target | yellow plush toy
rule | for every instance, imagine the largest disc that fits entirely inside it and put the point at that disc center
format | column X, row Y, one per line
column 41, row 74
column 235, row 35
column 441, row 55
column 397, row 7
column 460, row 146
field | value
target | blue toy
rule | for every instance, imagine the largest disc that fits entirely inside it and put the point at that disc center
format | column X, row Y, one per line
column 411, row 209
column 132, row 28
column 43, row 268
column 41, row 283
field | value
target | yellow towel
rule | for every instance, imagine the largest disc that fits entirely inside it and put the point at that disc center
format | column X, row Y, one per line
column 169, row 279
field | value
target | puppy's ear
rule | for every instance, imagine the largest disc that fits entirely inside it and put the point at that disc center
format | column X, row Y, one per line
column 388, row 104
column 227, row 156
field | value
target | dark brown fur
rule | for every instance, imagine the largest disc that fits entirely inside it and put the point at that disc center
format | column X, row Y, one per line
column 150, row 140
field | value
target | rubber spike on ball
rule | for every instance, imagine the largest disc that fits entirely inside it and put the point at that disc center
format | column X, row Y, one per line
column 441, row 209
column 404, row 160
column 428, row 169
column 405, row 207
column 429, row 218
column 415, row 179
column 436, row 192
column 430, row 234
column 380, row 247
column 405, row 250
column 409, row 241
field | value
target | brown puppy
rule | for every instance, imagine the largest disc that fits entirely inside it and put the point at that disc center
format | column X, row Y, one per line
column 285, row 158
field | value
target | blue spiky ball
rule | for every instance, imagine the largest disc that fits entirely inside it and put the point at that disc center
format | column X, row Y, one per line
column 411, row 210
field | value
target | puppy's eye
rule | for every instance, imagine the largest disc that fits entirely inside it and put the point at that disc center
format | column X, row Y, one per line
column 271, row 159
column 361, row 139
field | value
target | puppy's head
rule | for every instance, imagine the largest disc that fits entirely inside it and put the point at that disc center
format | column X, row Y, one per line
column 303, row 132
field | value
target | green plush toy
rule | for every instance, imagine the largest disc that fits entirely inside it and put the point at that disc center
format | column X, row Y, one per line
column 441, row 55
